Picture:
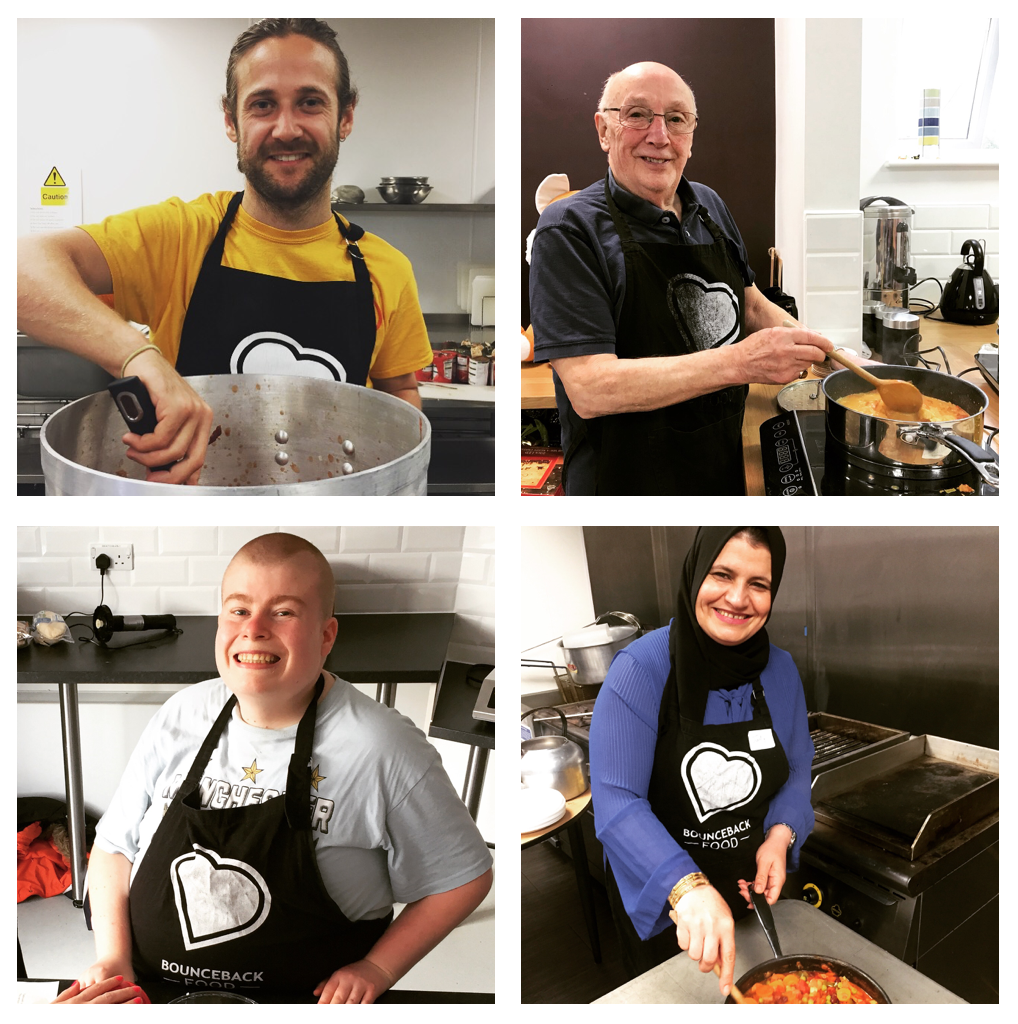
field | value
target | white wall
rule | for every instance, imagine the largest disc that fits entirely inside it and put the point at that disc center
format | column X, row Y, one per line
column 555, row 589
column 178, row 570
column 836, row 130
column 152, row 126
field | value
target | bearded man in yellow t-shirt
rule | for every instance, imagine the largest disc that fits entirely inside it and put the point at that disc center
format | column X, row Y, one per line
column 268, row 280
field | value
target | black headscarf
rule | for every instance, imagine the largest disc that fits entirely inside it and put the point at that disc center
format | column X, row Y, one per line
column 699, row 663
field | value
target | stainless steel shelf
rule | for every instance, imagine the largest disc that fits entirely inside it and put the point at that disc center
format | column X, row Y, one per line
column 424, row 207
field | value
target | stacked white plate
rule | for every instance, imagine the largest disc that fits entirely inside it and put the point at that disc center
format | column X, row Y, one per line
column 540, row 808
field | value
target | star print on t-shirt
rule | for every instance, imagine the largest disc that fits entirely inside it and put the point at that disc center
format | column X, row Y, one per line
column 251, row 771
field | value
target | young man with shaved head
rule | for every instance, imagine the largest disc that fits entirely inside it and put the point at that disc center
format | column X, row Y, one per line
column 640, row 287
column 269, row 819
column 266, row 281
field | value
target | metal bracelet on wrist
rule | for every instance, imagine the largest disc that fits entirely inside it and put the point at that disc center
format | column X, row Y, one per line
column 691, row 881
column 791, row 842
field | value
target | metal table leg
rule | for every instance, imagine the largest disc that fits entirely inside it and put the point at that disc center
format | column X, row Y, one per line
column 474, row 782
column 385, row 693
column 579, row 852
column 73, row 787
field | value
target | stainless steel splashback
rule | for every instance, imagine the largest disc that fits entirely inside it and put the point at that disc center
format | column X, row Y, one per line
column 891, row 625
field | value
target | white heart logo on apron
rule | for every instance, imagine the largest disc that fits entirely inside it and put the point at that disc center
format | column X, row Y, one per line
column 217, row 898
column 708, row 313
column 718, row 779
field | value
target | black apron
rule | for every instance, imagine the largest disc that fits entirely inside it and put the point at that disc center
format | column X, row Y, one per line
column 679, row 299
column 233, row 898
column 710, row 787
column 238, row 321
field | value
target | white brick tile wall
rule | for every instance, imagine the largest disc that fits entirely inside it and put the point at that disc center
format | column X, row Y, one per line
column 833, row 232
column 370, row 538
column 834, row 310
column 994, row 220
column 834, row 270
column 475, row 568
column 479, row 538
column 433, row 538
column 350, row 570
column 188, row 540
column 990, row 240
column 28, row 540
column 446, row 566
column 475, row 600
column 144, row 538
column 947, row 216
column 47, row 571
column 403, row 568
column 178, row 569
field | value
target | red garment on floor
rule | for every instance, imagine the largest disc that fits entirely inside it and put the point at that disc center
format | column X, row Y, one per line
column 42, row 870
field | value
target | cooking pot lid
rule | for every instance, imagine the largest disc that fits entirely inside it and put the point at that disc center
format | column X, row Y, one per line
column 594, row 636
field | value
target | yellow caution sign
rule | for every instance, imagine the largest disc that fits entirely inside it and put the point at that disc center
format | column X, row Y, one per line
column 54, row 189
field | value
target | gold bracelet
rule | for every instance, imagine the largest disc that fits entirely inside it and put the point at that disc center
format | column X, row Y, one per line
column 137, row 352
column 687, row 884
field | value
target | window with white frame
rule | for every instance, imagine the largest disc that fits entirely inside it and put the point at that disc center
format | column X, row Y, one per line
column 962, row 64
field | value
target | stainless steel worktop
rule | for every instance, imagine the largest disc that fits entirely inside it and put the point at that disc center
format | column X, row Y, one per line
column 801, row 929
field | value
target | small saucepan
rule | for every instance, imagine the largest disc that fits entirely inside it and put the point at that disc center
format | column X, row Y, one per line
column 781, row 964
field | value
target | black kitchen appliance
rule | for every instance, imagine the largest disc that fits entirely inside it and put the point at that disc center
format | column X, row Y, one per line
column 905, row 852
column 970, row 296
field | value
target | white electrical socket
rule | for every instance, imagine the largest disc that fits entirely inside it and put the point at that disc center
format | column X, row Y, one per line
column 121, row 556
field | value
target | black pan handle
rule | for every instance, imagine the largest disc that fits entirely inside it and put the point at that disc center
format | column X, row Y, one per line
column 766, row 919
column 984, row 461
column 132, row 399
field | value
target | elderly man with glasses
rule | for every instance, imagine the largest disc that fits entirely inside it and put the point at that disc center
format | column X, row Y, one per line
column 640, row 287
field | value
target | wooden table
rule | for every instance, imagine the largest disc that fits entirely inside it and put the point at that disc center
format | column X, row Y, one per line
column 961, row 343
column 571, row 821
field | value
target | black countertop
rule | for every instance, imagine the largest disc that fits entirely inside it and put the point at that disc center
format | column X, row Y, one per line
column 453, row 718
column 163, row 992
column 400, row 647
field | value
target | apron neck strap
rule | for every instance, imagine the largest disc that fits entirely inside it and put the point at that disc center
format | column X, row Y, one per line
column 298, row 776
column 204, row 754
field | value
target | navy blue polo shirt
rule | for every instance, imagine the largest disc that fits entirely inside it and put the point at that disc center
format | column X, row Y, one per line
column 578, row 279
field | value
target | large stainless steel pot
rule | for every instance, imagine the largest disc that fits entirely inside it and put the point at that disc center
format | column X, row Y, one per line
column 588, row 664
column 82, row 452
column 934, row 450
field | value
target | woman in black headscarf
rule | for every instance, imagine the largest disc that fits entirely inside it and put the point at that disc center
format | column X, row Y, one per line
column 700, row 759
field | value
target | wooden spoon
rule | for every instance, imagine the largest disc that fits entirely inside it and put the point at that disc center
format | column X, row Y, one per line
column 736, row 994
column 897, row 395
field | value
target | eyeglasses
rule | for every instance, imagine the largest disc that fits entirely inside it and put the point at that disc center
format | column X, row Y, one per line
column 678, row 122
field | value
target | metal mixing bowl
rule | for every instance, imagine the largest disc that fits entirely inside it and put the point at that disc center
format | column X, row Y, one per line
column 403, row 191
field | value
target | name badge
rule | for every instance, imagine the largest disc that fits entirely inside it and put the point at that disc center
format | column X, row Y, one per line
column 761, row 739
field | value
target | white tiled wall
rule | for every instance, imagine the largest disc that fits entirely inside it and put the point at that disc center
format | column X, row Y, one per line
column 833, row 292
column 178, row 569
column 938, row 233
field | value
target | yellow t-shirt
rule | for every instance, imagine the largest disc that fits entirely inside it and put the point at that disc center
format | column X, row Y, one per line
column 155, row 253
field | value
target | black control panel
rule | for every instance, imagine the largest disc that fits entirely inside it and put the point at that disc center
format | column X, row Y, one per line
column 785, row 457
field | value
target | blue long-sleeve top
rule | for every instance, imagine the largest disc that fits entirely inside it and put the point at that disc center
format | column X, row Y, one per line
column 646, row 861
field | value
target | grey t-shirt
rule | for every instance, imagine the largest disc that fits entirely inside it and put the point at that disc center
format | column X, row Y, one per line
column 388, row 825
